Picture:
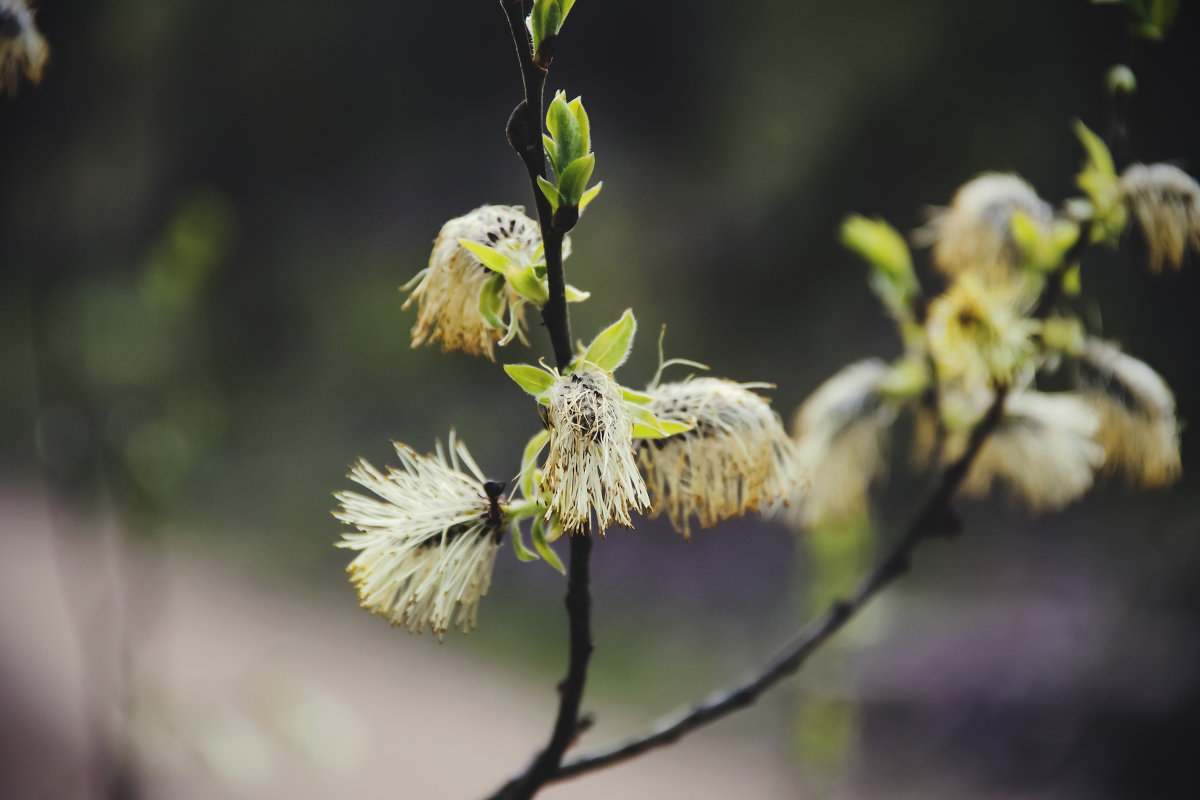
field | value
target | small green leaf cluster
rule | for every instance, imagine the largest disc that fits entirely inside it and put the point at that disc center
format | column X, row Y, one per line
column 569, row 149
column 515, row 272
column 545, row 21
column 892, row 277
column 541, row 531
column 1148, row 19
column 607, row 351
column 1098, row 180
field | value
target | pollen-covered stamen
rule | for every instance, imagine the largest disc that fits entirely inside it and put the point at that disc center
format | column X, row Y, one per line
column 590, row 464
column 736, row 459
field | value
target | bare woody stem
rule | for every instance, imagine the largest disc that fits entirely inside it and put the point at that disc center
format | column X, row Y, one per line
column 525, row 135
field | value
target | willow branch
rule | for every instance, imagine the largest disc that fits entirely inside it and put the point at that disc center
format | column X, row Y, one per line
column 929, row 521
column 524, row 132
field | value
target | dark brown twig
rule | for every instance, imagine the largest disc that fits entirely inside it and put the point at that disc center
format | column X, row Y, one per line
column 525, row 135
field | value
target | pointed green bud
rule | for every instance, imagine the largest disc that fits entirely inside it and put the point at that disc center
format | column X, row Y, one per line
column 526, row 284
column 530, row 378
column 550, row 192
column 490, row 257
column 574, row 178
column 491, row 301
column 611, row 347
column 1121, row 80
column 565, row 130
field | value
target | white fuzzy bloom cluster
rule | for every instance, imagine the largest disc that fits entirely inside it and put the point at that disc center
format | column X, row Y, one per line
column 448, row 289
column 1138, row 428
column 975, row 233
column 737, row 459
column 23, row 51
column 1166, row 202
column 841, row 435
column 980, row 332
column 1044, row 449
column 427, row 542
column 590, row 465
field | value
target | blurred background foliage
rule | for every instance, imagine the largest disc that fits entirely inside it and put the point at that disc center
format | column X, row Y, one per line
column 208, row 208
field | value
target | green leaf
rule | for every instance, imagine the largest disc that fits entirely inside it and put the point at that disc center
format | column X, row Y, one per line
column 576, row 295
column 551, row 193
column 526, row 284
column 537, row 22
column 881, row 245
column 540, row 543
column 635, row 397
column 565, row 129
column 530, row 378
column 1097, row 151
column 529, row 461
column 589, row 196
column 1162, row 13
column 492, row 259
column 548, row 148
column 666, row 428
column 553, row 20
column 645, row 417
column 491, row 301
column 523, row 552
column 574, row 178
column 611, row 347
column 581, row 118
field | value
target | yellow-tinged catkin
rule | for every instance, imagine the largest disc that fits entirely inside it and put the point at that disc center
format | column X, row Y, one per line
column 981, row 333
column 974, row 234
column 736, row 459
column 23, row 51
column 1044, row 450
column 426, row 542
column 1166, row 202
column 841, row 436
column 1138, row 428
column 448, row 289
column 590, row 466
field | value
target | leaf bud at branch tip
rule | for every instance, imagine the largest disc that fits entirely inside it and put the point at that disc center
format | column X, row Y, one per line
column 1121, row 80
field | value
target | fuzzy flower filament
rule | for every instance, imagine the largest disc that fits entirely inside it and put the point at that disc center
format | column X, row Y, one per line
column 448, row 290
column 427, row 540
column 590, row 464
column 1166, row 202
column 736, row 459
